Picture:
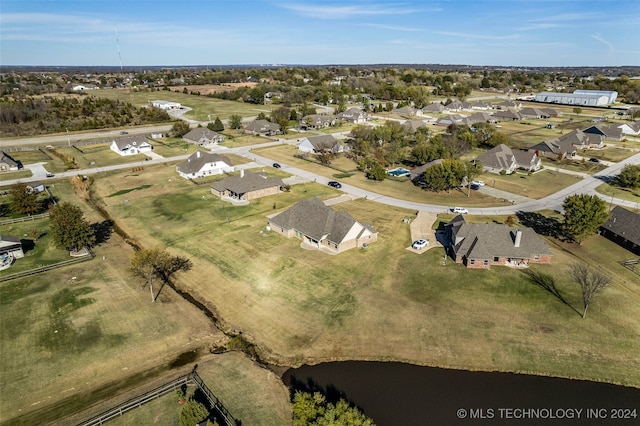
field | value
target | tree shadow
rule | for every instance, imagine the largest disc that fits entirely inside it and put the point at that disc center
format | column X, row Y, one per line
column 548, row 283
column 549, row 226
column 102, row 231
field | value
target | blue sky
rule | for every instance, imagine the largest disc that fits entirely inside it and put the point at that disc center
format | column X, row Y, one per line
column 219, row 32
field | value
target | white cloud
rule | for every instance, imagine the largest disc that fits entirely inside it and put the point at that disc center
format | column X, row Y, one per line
column 601, row 39
column 393, row 27
column 476, row 36
column 347, row 11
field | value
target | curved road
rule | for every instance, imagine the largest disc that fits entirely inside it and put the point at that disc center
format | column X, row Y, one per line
column 552, row 202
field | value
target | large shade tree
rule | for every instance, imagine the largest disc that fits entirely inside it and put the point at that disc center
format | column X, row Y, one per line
column 23, row 200
column 69, row 230
column 583, row 215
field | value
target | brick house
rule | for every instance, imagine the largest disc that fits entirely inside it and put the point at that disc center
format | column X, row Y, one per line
column 247, row 186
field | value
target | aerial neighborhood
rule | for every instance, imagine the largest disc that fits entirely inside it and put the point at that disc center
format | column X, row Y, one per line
column 249, row 221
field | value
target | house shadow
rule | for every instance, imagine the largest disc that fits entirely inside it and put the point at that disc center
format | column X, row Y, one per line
column 549, row 226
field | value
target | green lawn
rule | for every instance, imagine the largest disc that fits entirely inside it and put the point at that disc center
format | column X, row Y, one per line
column 608, row 153
column 583, row 166
column 628, row 194
column 536, row 185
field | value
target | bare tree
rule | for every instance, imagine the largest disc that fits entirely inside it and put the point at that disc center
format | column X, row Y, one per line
column 591, row 282
column 149, row 264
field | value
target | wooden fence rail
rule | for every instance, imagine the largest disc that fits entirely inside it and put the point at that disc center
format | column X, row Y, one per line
column 47, row 268
column 24, row 219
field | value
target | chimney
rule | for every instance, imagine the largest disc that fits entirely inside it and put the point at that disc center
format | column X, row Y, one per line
column 518, row 238
column 241, row 173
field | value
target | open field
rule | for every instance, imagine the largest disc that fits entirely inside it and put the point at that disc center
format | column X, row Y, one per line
column 622, row 193
column 202, row 106
column 384, row 302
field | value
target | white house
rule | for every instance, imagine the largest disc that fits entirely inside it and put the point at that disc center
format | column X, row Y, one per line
column 632, row 129
column 165, row 105
column 131, row 145
column 200, row 164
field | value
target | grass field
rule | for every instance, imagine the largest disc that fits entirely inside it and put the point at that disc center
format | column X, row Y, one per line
column 536, row 185
column 622, row 193
column 384, row 302
column 582, row 166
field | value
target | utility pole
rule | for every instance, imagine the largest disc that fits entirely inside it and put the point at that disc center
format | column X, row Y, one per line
column 68, row 139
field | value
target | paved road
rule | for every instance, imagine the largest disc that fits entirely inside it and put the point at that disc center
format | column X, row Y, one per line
column 552, row 202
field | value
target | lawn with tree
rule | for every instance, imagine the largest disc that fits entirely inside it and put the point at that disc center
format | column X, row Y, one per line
column 69, row 230
column 156, row 263
column 583, row 215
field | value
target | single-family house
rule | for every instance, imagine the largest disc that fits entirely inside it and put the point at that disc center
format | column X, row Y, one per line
column 532, row 112
column 631, row 129
column 354, row 115
column 433, row 107
column 510, row 104
column 83, row 87
column 450, row 119
column 481, row 105
column 551, row 112
column 612, row 132
column 320, row 143
column 320, row 226
column 202, row 136
column 407, row 111
column 507, row 115
column 582, row 140
column 417, row 172
column 165, row 105
column 554, row 148
column 412, row 125
column 200, row 164
column 479, row 117
column 502, row 158
column 482, row 245
column 623, row 228
column 247, row 186
column 131, row 145
column 8, row 164
column 262, row 127
column 317, row 121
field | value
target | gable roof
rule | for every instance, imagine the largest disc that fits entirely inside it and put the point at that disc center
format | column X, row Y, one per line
column 610, row 132
column 262, row 126
column 498, row 157
column 485, row 241
column 635, row 126
column 134, row 140
column 199, row 133
column 624, row 223
column 413, row 125
column 322, row 142
column 316, row 220
column 246, row 182
column 508, row 114
column 198, row 159
column 7, row 159
column 579, row 138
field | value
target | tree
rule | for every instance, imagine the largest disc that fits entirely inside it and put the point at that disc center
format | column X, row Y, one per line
column 216, row 126
column 629, row 177
column 192, row 413
column 591, row 283
column 180, row 128
column 69, row 230
column 156, row 263
column 583, row 215
column 577, row 110
column 235, row 121
column 23, row 200
column 308, row 409
column 377, row 172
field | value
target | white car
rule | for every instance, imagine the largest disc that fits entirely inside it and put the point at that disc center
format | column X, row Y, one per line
column 419, row 244
column 460, row 210
column 477, row 182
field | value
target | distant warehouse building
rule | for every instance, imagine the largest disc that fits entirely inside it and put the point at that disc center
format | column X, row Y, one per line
column 165, row 105
column 579, row 97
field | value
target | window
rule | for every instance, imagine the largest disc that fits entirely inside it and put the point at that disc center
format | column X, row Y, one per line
column 536, row 257
column 496, row 259
column 472, row 262
column 485, row 263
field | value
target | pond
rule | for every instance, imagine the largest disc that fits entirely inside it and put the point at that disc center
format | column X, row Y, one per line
column 397, row 394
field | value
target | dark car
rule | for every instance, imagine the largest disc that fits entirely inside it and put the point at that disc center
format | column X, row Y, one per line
column 594, row 160
column 334, row 184
column 124, row 132
column 276, row 165
column 475, row 186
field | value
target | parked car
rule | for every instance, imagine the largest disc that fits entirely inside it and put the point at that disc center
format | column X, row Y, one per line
column 460, row 210
column 477, row 182
column 124, row 132
column 334, row 184
column 49, row 174
column 276, row 165
column 594, row 160
column 474, row 186
column 419, row 244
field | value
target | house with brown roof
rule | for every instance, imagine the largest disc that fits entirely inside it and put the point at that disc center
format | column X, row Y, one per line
column 482, row 245
column 262, row 127
column 532, row 112
column 200, row 164
column 202, row 136
column 320, row 226
column 320, row 143
column 623, row 228
column 131, row 145
column 247, row 186
column 8, row 164
column 507, row 115
column 502, row 158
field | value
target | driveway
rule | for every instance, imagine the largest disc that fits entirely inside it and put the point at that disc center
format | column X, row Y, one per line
column 422, row 228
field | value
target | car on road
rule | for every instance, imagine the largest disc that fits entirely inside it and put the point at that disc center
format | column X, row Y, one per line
column 459, row 210
column 124, row 132
column 477, row 182
column 419, row 244
column 49, row 174
column 334, row 184
column 276, row 165
column 594, row 160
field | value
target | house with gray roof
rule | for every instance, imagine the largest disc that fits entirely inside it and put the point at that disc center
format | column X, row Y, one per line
column 202, row 136
column 321, row 227
column 247, row 186
column 612, row 132
column 623, row 228
column 320, row 143
column 631, row 129
column 434, row 107
column 479, row 117
column 554, row 148
column 8, row 164
column 354, row 115
column 262, row 127
column 131, row 145
column 502, row 158
column 532, row 112
column 407, row 111
column 317, row 121
column 482, row 245
column 201, row 164
column 507, row 115
column 412, row 125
